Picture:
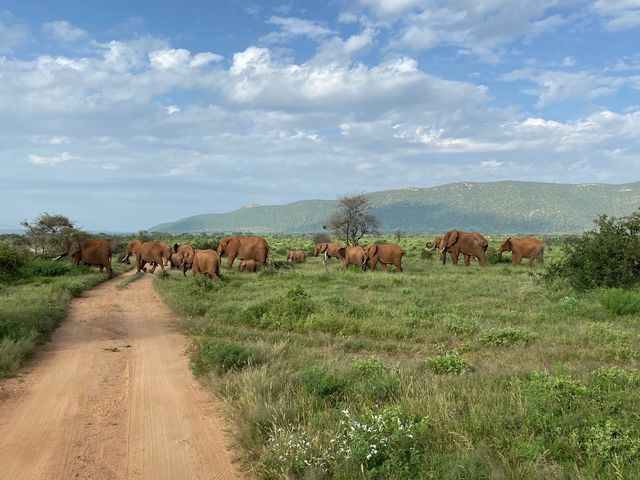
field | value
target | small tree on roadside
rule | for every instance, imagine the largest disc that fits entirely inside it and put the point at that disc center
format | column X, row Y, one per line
column 607, row 256
column 353, row 219
column 49, row 232
column 399, row 234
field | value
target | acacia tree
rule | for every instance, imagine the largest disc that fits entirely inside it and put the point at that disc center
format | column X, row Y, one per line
column 49, row 232
column 353, row 219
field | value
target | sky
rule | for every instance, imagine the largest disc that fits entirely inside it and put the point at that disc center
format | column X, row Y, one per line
column 125, row 114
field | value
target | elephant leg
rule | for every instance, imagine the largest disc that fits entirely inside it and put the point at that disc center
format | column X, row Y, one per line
column 482, row 259
column 230, row 261
column 374, row 264
column 467, row 259
column 454, row 257
column 101, row 268
column 153, row 269
column 385, row 266
column 398, row 265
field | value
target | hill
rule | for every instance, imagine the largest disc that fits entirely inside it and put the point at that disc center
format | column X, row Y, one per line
column 489, row 207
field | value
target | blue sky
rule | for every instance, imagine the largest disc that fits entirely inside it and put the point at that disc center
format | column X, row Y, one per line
column 123, row 115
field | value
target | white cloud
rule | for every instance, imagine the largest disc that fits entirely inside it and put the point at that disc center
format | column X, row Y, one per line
column 110, row 166
column 568, row 62
column 620, row 14
column 50, row 160
column 12, row 36
column 557, row 86
column 63, row 30
column 291, row 27
column 491, row 164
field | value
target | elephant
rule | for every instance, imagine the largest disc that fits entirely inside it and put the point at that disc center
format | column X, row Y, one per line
column 244, row 248
column 176, row 260
column 470, row 244
column 386, row 254
column 328, row 250
column 154, row 253
column 248, row 266
column 133, row 247
column 524, row 247
column 91, row 252
column 297, row 256
column 353, row 256
column 438, row 243
column 166, row 260
column 186, row 252
column 207, row 262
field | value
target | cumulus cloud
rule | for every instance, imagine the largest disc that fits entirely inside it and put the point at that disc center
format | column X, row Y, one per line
column 63, row 30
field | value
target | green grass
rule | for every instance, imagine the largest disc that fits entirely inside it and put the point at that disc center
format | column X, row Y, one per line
column 129, row 280
column 33, row 303
column 490, row 373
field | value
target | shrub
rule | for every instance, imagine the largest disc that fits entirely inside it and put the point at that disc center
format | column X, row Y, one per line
column 450, row 362
column 607, row 256
column 461, row 326
column 288, row 312
column 502, row 337
column 619, row 301
column 323, row 383
column 11, row 259
column 214, row 355
column 372, row 379
column 44, row 267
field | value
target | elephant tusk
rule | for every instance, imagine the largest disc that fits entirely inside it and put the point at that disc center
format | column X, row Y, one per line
column 59, row 256
column 443, row 249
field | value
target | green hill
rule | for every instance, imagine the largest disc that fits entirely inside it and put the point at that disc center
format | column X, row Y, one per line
column 488, row 207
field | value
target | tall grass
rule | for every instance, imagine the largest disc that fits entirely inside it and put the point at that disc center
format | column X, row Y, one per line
column 32, row 303
column 438, row 372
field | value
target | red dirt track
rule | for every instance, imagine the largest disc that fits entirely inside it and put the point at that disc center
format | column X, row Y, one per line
column 83, row 411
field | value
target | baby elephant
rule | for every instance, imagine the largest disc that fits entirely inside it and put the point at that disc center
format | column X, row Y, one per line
column 207, row 262
column 248, row 266
column 297, row 256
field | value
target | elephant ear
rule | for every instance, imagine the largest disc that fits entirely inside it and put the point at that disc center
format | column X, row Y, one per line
column 452, row 238
column 342, row 252
column 175, row 248
column 373, row 250
column 324, row 247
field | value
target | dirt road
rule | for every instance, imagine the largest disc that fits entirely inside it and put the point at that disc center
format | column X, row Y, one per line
column 112, row 397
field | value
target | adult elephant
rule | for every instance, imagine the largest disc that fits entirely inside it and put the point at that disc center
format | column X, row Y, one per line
column 470, row 244
column 206, row 262
column 438, row 243
column 133, row 248
column 328, row 250
column 154, row 253
column 92, row 252
column 523, row 247
column 244, row 248
column 297, row 256
column 185, row 253
column 386, row 254
column 353, row 256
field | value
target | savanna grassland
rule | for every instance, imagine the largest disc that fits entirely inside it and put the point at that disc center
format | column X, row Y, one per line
column 437, row 372
column 34, row 295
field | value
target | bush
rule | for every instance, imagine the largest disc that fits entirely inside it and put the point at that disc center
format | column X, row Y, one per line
column 321, row 382
column 608, row 256
column 502, row 337
column 44, row 267
column 450, row 362
column 289, row 312
column 619, row 301
column 372, row 379
column 461, row 326
column 214, row 355
column 11, row 259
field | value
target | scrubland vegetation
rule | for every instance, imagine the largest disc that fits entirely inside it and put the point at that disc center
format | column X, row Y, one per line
column 34, row 295
column 438, row 372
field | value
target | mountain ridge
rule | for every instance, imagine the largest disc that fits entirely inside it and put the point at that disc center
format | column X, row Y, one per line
column 491, row 207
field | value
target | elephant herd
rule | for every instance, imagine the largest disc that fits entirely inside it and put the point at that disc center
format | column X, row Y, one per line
column 253, row 252
column 474, row 244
